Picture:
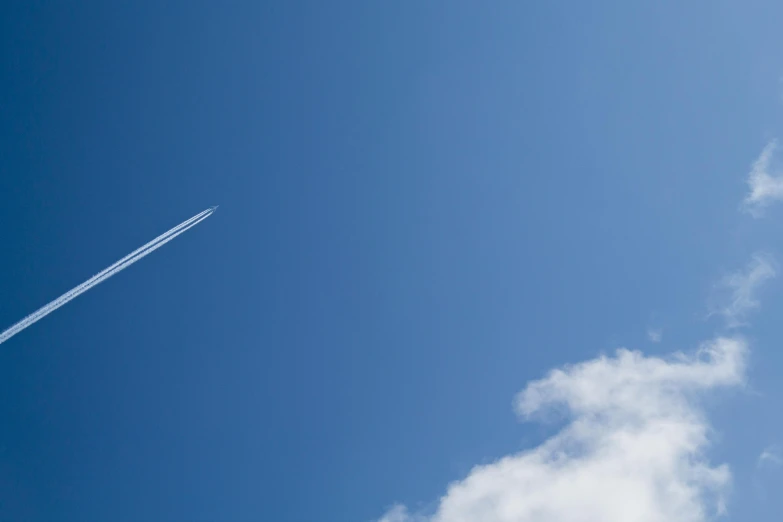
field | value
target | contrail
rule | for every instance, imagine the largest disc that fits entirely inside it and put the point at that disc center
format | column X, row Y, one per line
column 106, row 273
column 100, row 276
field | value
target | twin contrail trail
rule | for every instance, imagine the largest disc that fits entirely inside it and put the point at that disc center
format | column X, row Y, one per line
column 102, row 276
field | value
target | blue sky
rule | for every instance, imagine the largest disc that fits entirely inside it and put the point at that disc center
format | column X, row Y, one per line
column 425, row 208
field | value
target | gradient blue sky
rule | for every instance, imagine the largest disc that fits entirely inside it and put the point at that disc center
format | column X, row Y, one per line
column 424, row 206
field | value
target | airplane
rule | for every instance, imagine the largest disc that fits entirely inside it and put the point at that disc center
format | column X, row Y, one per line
column 214, row 208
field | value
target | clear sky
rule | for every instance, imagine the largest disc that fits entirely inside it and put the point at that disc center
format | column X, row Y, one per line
column 425, row 207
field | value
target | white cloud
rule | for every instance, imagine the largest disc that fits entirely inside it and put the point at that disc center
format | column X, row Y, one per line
column 655, row 335
column 633, row 450
column 764, row 187
column 400, row 514
column 743, row 287
column 770, row 457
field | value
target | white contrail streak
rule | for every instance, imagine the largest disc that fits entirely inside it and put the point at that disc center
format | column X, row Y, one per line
column 99, row 277
column 103, row 275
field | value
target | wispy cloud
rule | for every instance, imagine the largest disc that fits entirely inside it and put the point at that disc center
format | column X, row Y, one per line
column 633, row 449
column 634, row 445
column 770, row 457
column 401, row 514
column 764, row 187
column 742, row 288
